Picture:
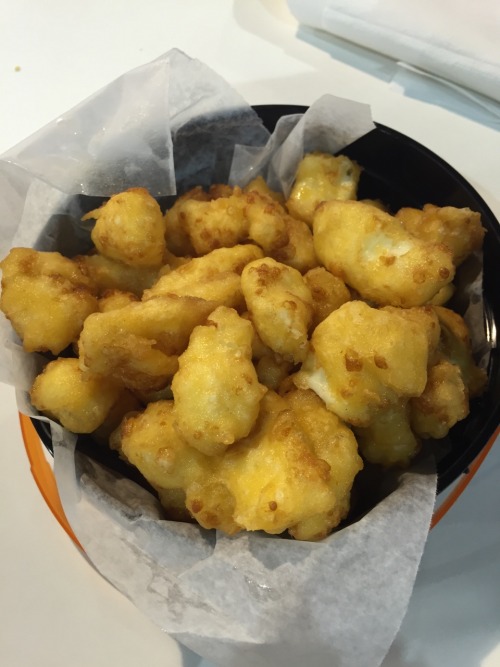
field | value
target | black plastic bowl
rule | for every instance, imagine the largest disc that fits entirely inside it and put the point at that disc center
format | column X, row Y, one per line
column 402, row 172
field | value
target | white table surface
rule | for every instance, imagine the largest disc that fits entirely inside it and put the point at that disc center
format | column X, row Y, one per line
column 55, row 610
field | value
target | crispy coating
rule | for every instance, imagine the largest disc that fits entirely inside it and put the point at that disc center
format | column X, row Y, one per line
column 363, row 360
column 334, row 443
column 321, row 177
column 267, row 222
column 115, row 299
column 424, row 317
column 455, row 345
column 109, row 274
column 258, row 184
column 280, row 306
column 444, row 401
column 150, row 442
column 129, row 228
column 371, row 251
column 299, row 251
column 278, row 478
column 328, row 293
column 176, row 236
column 46, row 297
column 217, row 190
column 214, row 223
column 139, row 344
column 224, row 289
column 221, row 260
column 216, row 389
column 214, row 277
column 80, row 402
column 212, row 504
column 275, row 478
column 389, row 439
column 459, row 229
column 228, row 221
column 177, row 233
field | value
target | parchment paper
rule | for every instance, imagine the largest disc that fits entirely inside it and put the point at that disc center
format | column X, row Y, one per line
column 251, row 600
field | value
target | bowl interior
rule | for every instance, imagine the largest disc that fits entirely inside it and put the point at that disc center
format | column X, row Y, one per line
column 402, row 172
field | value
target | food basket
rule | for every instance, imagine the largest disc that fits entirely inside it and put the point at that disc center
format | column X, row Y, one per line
column 401, row 172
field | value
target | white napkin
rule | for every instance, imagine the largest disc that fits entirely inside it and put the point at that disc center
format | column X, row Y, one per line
column 454, row 39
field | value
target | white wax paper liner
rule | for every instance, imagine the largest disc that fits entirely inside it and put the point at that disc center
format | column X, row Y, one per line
column 254, row 600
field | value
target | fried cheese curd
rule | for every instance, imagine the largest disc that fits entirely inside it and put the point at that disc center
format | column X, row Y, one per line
column 372, row 252
column 459, row 229
column 46, row 297
column 80, row 402
column 280, row 306
column 272, row 369
column 328, row 293
column 258, row 184
column 197, row 225
column 456, row 347
column 363, row 359
column 396, row 375
column 185, row 478
column 216, row 389
column 115, row 299
column 321, row 177
column 139, row 344
column 452, row 380
column 443, row 402
column 109, row 274
column 215, row 277
column 366, row 363
column 129, row 228
column 389, row 439
column 293, row 472
column 299, row 251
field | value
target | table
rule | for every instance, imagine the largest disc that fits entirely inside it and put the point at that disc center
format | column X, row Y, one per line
column 55, row 609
